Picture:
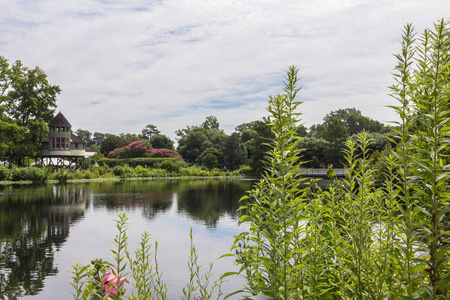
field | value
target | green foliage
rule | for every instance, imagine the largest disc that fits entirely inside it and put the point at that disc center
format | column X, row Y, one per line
column 195, row 140
column 161, row 141
column 62, row 175
column 38, row 174
column 312, row 152
column 267, row 253
column 140, row 171
column 335, row 134
column 18, row 174
column 170, row 166
column 192, row 171
column 4, row 173
column 27, row 103
column 35, row 174
column 123, row 171
column 209, row 158
column 85, row 135
column 355, row 121
column 255, row 137
column 234, row 154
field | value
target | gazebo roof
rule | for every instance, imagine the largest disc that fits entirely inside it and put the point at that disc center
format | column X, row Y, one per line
column 59, row 120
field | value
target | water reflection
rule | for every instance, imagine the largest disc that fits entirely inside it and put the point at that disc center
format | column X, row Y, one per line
column 35, row 221
column 208, row 201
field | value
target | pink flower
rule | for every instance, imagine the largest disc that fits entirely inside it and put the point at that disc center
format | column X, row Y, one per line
column 110, row 285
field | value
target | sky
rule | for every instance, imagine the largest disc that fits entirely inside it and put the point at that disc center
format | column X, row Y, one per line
column 124, row 64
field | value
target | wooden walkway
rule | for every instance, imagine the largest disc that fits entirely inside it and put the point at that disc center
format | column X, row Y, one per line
column 322, row 173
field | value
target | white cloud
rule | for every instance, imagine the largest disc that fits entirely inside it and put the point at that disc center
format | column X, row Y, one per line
column 125, row 64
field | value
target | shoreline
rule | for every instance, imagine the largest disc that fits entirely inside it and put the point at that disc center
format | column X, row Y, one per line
column 54, row 181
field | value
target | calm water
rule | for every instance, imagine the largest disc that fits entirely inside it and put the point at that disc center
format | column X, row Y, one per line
column 45, row 229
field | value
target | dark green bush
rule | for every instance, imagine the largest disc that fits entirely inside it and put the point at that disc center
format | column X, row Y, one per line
column 123, row 171
column 170, row 166
column 4, row 173
column 62, row 175
column 18, row 174
column 140, row 171
column 36, row 174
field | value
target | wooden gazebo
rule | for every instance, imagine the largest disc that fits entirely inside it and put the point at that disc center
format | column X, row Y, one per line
column 61, row 148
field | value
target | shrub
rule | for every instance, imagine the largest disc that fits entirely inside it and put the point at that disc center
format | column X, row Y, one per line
column 36, row 174
column 141, row 171
column 216, row 172
column 158, row 173
column 164, row 153
column 134, row 149
column 123, row 171
column 4, row 173
column 119, row 171
column 18, row 174
column 210, row 161
column 90, row 174
column 77, row 175
column 62, row 175
column 192, row 171
column 170, row 166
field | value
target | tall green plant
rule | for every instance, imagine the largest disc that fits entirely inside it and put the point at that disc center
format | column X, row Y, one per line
column 265, row 252
column 408, row 225
column 430, row 95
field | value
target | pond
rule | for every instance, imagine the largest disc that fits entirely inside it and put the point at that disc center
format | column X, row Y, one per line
column 45, row 229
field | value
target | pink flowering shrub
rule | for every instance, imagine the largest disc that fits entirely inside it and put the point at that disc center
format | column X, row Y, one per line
column 164, row 153
column 134, row 149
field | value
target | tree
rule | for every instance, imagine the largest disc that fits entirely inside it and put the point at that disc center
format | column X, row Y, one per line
column 255, row 142
column 355, row 121
column 130, row 137
column 28, row 100
column 98, row 138
column 149, row 131
column 234, row 152
column 211, row 158
column 161, row 141
column 312, row 152
column 85, row 135
column 211, row 123
column 335, row 134
column 32, row 97
column 111, row 142
column 301, row 130
column 12, row 137
column 184, row 131
column 194, row 140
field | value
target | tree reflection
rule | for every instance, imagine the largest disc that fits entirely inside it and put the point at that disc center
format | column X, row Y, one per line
column 152, row 197
column 34, row 220
column 208, row 200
